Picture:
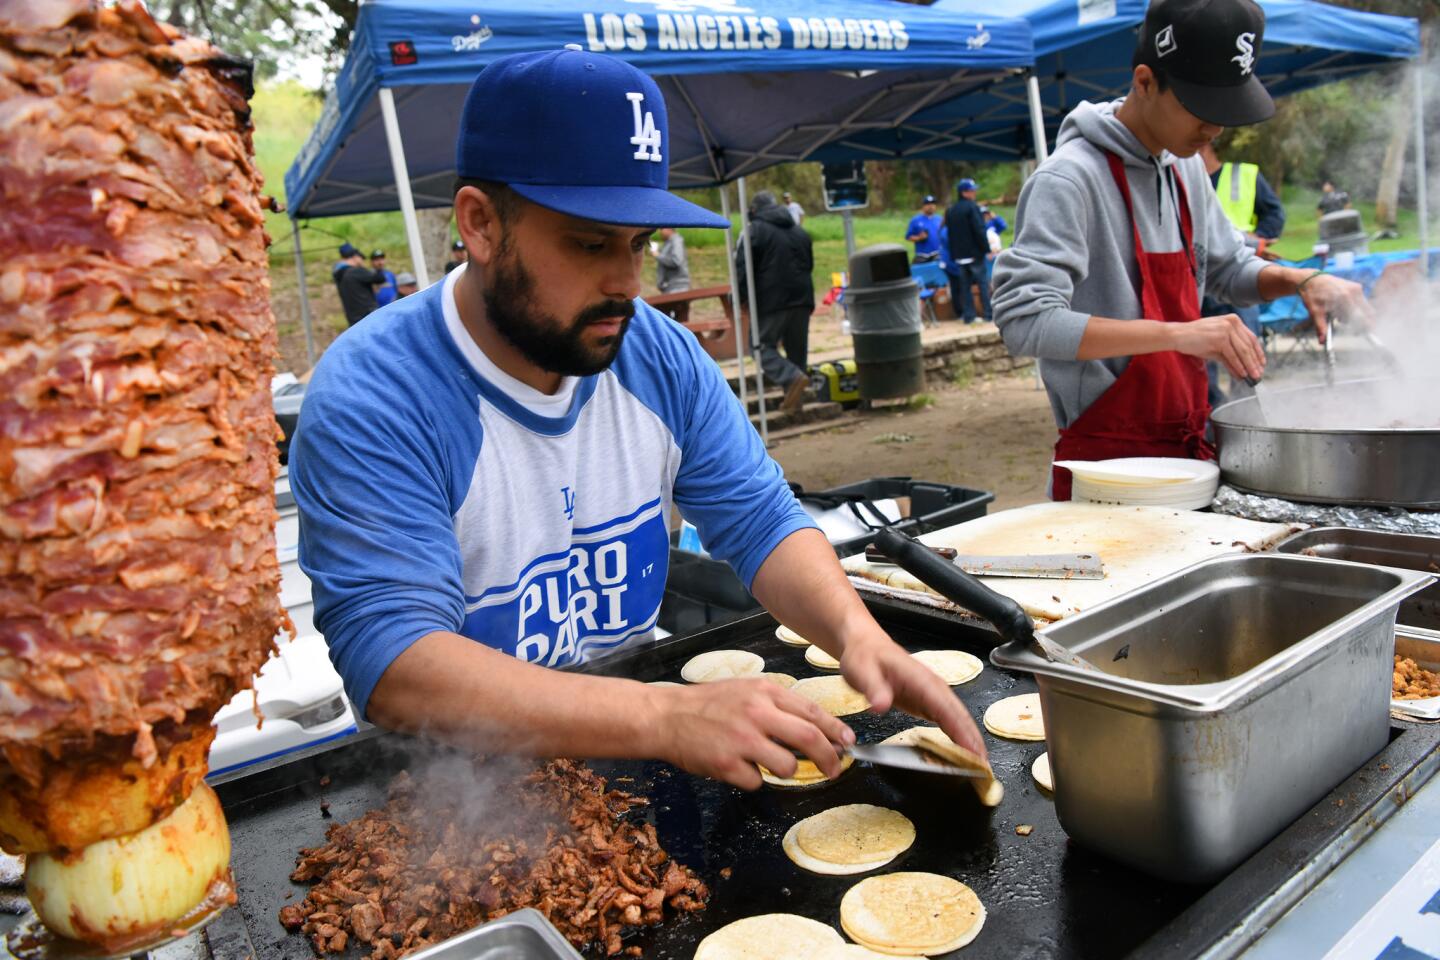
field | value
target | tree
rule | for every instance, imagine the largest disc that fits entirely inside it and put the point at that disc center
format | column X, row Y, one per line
column 269, row 32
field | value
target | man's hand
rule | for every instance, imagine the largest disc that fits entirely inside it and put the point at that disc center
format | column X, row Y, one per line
column 724, row 729
column 889, row 676
column 1225, row 339
column 1326, row 296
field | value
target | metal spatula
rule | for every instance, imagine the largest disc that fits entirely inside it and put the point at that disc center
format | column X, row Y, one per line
column 954, row 584
column 911, row 758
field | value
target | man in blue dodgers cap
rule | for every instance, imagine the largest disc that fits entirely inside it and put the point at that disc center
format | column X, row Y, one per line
column 485, row 470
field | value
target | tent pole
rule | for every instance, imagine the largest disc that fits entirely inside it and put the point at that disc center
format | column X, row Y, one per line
column 848, row 216
column 304, row 298
column 1042, row 150
column 754, row 310
column 734, row 295
column 1037, row 118
column 1421, row 200
column 402, row 185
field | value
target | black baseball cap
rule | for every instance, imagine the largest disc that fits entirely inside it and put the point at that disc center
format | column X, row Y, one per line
column 378, row 255
column 1208, row 50
column 458, row 245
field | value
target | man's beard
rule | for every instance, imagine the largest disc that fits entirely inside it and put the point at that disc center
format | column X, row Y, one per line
column 542, row 338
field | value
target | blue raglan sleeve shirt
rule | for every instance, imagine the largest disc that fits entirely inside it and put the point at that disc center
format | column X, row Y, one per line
column 387, row 446
column 367, row 468
column 728, row 485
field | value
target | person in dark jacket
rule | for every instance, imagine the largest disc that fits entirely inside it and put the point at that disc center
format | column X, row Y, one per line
column 784, row 294
column 356, row 284
column 965, row 231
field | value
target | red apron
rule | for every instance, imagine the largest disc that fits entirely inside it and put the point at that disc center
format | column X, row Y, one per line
column 1159, row 406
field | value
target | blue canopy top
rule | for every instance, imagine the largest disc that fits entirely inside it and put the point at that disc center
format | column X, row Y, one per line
column 747, row 83
column 1083, row 50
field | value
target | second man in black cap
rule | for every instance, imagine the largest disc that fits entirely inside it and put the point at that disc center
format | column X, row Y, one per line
column 1119, row 235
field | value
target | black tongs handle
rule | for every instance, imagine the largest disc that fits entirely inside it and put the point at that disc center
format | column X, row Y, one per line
column 954, row 584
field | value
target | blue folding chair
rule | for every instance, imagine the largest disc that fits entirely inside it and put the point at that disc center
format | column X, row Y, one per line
column 931, row 277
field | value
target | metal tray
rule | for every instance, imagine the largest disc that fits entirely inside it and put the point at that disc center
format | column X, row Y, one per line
column 1046, row 897
column 522, row 935
column 1409, row 551
column 1209, row 706
column 1424, row 650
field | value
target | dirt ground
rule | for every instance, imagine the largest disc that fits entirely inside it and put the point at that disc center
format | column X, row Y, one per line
column 994, row 435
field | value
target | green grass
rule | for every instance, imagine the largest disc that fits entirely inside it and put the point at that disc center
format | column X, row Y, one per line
column 1301, row 232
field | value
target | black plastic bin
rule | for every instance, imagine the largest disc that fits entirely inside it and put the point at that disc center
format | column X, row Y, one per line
column 932, row 505
column 700, row 591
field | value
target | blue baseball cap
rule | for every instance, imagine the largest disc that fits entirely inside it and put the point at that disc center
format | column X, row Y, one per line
column 347, row 250
column 579, row 133
column 966, row 184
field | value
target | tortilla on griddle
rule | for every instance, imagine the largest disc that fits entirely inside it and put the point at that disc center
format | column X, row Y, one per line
column 780, row 679
column 770, row 936
column 953, row 666
column 806, row 775
column 716, row 665
column 933, row 739
column 922, row 913
column 833, row 694
column 853, row 951
column 1016, row 718
column 819, row 659
column 856, row 834
column 785, row 635
column 1040, row 770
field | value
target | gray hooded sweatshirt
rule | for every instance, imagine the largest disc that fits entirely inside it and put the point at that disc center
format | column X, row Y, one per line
column 1074, row 252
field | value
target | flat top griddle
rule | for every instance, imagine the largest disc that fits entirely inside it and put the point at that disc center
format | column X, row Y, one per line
column 1045, row 896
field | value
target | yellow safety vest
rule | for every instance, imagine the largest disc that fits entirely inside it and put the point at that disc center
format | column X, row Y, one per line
column 1236, row 190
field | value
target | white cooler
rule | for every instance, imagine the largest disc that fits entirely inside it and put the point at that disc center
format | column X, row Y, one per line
column 300, row 695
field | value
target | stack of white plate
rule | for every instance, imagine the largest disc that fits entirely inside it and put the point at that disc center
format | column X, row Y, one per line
column 1145, row 481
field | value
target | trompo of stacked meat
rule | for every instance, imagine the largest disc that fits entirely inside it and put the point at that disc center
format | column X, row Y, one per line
column 431, row 864
column 138, row 580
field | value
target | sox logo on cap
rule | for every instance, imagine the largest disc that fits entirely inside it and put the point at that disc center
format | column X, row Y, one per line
column 1245, row 43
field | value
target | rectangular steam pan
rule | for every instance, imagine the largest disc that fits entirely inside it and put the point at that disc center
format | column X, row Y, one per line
column 1234, row 695
column 1424, row 650
column 1408, row 550
column 522, row 935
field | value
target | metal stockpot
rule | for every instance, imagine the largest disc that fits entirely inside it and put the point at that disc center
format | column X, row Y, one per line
column 1321, row 444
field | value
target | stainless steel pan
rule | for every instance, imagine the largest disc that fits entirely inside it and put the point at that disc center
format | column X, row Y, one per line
column 1373, row 442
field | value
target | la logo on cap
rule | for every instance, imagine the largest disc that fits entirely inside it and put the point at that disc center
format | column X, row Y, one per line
column 646, row 138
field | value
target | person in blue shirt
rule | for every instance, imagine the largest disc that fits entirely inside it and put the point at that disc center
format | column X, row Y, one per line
column 924, row 232
column 485, row 470
column 386, row 292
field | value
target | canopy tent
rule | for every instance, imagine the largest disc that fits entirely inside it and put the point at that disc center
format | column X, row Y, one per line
column 746, row 86
column 1082, row 52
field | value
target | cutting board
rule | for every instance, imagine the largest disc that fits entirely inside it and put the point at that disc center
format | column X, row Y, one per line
column 1136, row 544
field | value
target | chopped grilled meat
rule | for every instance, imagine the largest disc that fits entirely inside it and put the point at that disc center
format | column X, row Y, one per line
column 424, row 868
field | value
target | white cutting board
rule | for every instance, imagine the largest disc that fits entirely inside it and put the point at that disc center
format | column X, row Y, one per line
column 1136, row 544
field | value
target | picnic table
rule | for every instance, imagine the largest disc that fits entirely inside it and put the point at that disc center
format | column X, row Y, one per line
column 716, row 336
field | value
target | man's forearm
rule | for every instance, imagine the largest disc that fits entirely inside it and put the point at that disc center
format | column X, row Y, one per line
column 453, row 689
column 804, row 586
column 1106, row 337
column 1278, row 281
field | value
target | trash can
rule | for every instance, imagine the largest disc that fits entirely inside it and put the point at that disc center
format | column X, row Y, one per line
column 1343, row 232
column 883, row 302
